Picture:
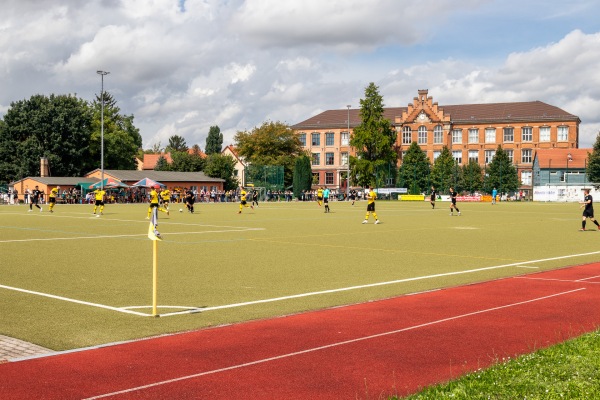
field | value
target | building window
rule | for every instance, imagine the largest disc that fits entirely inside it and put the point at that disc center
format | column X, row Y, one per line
column 509, row 135
column 473, row 135
column 436, row 154
column 329, row 139
column 510, row 155
column 457, row 155
column 474, row 156
column 526, row 156
column 329, row 178
column 406, row 135
column 315, row 139
column 526, row 134
column 302, row 138
column 329, row 158
column 344, row 158
column 526, row 178
column 457, row 136
column 544, row 134
column 489, row 156
column 345, row 138
column 422, row 135
column 438, row 135
column 490, row 135
column 563, row 134
column 403, row 154
column 316, row 158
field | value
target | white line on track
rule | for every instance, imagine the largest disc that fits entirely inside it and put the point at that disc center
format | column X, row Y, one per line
column 331, row 345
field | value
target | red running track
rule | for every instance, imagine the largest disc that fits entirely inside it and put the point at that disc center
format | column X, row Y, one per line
column 364, row 351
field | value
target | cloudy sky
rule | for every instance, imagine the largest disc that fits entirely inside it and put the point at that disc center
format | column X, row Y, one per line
column 181, row 66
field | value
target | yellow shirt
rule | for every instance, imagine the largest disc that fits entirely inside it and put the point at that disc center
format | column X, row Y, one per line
column 166, row 195
column 54, row 192
column 371, row 197
column 99, row 194
column 320, row 193
column 153, row 196
column 243, row 194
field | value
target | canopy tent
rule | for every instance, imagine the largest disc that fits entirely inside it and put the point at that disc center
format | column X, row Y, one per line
column 109, row 183
column 84, row 185
column 149, row 183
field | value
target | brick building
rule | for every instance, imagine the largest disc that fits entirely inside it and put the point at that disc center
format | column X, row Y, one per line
column 470, row 131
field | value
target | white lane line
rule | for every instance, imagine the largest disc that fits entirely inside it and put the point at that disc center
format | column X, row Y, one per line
column 328, row 346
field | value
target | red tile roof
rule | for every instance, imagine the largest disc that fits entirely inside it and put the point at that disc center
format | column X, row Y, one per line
column 557, row 158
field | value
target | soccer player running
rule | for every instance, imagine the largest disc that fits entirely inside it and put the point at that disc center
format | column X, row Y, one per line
column 432, row 197
column 326, row 199
column 154, row 202
column 371, row 196
column 99, row 197
column 35, row 199
column 320, row 196
column 255, row 197
column 588, row 211
column 353, row 196
column 453, row 207
column 165, row 196
column 52, row 198
column 243, row 203
column 190, row 199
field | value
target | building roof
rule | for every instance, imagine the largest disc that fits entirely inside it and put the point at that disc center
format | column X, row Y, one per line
column 161, row 176
column 557, row 158
column 530, row 111
column 150, row 160
column 58, row 180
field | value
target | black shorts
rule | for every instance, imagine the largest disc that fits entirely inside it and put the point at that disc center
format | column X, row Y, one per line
column 588, row 213
column 319, row 198
column 432, row 198
column 52, row 200
column 152, row 205
column 371, row 207
column 99, row 203
column 326, row 200
column 243, row 202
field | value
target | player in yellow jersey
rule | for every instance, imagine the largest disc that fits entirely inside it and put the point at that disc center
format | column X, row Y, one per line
column 52, row 198
column 99, row 196
column 154, row 202
column 320, row 196
column 243, row 199
column 371, row 196
column 165, row 196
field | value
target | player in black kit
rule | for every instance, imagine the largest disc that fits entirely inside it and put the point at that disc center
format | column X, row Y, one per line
column 588, row 211
column 35, row 199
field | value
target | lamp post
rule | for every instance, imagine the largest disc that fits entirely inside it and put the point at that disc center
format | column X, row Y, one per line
column 102, row 74
column 569, row 158
column 348, row 158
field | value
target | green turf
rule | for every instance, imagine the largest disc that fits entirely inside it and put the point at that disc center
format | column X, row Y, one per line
column 217, row 257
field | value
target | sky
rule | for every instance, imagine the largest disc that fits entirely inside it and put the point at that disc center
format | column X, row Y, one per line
column 182, row 66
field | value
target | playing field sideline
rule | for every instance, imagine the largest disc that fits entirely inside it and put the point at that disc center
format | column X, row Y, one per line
column 69, row 280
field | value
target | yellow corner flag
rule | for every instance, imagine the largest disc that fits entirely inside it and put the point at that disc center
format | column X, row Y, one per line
column 153, row 233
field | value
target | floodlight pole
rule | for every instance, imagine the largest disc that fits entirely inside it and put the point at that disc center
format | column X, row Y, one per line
column 102, row 74
column 348, row 158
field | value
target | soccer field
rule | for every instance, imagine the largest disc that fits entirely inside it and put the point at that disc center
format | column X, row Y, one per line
column 69, row 280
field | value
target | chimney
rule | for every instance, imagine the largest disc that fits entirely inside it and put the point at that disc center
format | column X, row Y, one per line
column 44, row 167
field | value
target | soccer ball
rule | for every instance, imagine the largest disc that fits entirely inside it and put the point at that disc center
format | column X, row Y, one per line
column 97, row 216
column 181, row 210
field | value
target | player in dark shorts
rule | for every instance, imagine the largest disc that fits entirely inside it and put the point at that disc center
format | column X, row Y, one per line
column 353, row 196
column 190, row 199
column 433, row 196
column 35, row 199
column 255, row 197
column 588, row 211
column 453, row 207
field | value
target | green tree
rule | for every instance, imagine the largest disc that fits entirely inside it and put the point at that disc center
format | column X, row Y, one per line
column 472, row 177
column 303, row 177
column 443, row 171
column 214, row 140
column 415, row 170
column 57, row 127
column 122, row 139
column 593, row 163
column 373, row 140
column 176, row 143
column 502, row 174
column 222, row 166
column 273, row 143
column 162, row 164
column 186, row 162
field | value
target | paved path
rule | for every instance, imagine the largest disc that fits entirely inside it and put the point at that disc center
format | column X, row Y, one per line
column 11, row 348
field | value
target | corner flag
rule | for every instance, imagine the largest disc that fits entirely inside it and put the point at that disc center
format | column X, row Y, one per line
column 153, row 233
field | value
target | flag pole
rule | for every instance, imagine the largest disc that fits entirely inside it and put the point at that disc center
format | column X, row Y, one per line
column 154, row 277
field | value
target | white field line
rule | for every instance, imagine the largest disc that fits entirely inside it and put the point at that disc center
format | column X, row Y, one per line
column 331, row 345
column 133, row 235
column 193, row 309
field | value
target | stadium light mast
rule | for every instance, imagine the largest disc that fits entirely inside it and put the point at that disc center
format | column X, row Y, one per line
column 102, row 74
column 348, row 158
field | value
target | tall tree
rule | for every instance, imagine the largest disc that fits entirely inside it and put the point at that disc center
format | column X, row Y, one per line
column 176, row 143
column 593, row 163
column 57, row 127
column 122, row 139
column 415, row 170
column 502, row 174
column 186, row 162
column 472, row 177
column 373, row 140
column 302, row 175
column 214, row 140
column 162, row 164
column 222, row 166
column 272, row 143
column 443, row 172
